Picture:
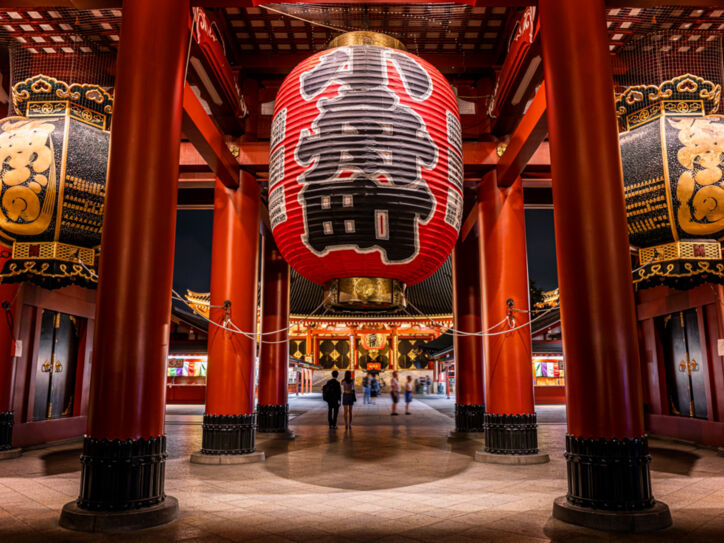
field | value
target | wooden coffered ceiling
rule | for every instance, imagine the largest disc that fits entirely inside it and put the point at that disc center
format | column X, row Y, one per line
column 458, row 38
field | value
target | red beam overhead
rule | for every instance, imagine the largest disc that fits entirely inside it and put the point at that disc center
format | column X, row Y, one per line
column 208, row 140
column 100, row 4
column 530, row 133
column 255, row 155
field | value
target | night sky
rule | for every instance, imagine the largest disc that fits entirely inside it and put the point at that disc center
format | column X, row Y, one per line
column 540, row 239
column 192, row 264
column 192, row 261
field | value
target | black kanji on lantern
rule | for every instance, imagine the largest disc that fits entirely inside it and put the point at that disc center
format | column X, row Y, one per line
column 364, row 187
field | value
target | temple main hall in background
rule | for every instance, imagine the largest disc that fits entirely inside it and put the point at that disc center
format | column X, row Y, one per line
column 361, row 271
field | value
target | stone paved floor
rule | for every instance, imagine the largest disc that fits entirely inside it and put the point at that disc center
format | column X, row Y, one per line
column 389, row 479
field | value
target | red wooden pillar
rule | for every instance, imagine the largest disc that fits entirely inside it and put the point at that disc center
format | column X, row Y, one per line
column 7, row 368
column 273, row 406
column 469, row 392
column 229, row 421
column 124, row 452
column 603, row 381
column 510, row 420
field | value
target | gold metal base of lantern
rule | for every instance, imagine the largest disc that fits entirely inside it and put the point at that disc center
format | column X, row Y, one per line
column 52, row 250
column 364, row 37
column 701, row 249
column 364, row 294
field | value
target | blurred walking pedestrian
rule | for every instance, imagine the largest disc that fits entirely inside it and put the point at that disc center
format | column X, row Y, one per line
column 332, row 394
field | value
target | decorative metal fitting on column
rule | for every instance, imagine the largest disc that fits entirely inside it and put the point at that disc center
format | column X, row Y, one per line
column 7, row 419
column 121, row 475
column 511, row 434
column 272, row 418
column 228, row 434
column 469, row 418
column 608, row 473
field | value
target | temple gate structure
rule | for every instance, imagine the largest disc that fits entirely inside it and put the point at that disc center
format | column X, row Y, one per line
column 387, row 162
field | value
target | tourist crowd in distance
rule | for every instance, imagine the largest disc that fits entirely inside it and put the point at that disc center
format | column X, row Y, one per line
column 343, row 393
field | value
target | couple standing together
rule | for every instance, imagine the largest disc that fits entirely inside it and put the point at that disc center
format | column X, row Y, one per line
column 333, row 393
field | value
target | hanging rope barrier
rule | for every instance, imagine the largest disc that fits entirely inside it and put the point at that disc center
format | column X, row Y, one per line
column 228, row 325
column 451, row 331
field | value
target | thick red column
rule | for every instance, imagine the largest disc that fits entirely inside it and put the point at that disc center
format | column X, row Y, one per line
column 234, row 271
column 130, row 348
column 603, row 383
column 510, row 420
column 7, row 363
column 469, row 393
column 273, row 407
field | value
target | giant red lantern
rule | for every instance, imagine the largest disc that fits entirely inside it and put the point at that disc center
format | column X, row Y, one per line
column 365, row 177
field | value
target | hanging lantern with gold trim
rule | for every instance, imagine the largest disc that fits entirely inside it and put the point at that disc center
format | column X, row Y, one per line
column 53, row 165
column 365, row 176
column 672, row 152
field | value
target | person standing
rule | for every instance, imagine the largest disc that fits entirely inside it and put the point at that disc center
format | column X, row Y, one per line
column 408, row 394
column 366, row 389
column 394, row 393
column 332, row 394
column 374, row 389
column 348, row 398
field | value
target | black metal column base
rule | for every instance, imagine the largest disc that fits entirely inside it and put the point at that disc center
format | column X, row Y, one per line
column 656, row 517
column 7, row 419
column 228, row 434
column 122, row 475
column 469, row 418
column 272, row 418
column 609, row 474
column 511, row 434
column 74, row 517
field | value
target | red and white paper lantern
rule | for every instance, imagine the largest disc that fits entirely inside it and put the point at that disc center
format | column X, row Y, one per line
column 365, row 175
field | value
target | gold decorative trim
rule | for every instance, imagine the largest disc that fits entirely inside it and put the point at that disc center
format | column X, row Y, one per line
column 686, row 94
column 67, row 271
column 682, row 250
column 364, row 37
column 691, row 269
column 52, row 250
column 43, row 96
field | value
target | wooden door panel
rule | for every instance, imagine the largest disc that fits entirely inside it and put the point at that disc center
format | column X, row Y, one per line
column 43, row 366
column 696, row 362
column 65, row 354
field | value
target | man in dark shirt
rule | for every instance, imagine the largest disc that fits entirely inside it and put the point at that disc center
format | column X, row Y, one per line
column 333, row 397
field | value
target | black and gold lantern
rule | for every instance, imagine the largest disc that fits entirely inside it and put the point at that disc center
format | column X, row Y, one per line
column 52, row 181
column 672, row 151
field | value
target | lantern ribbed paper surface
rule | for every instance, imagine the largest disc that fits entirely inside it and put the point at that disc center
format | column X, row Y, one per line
column 365, row 176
